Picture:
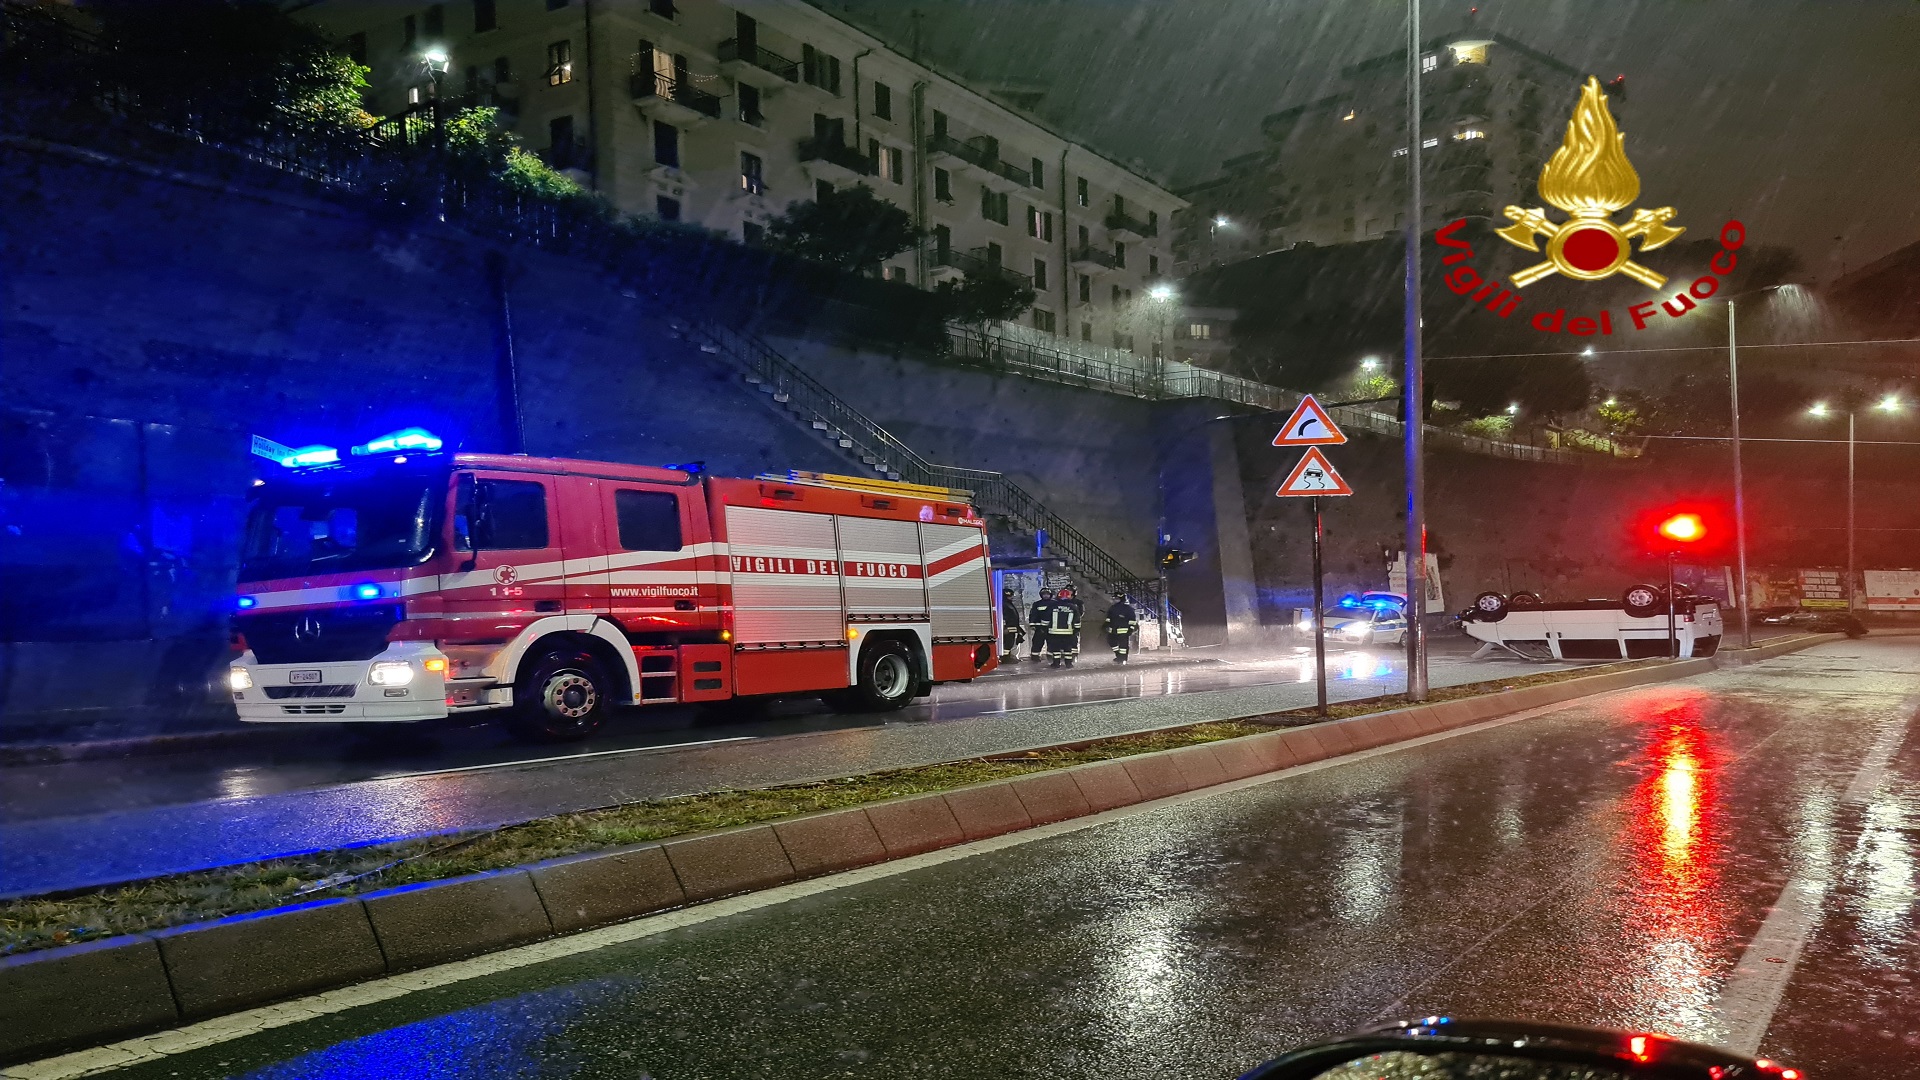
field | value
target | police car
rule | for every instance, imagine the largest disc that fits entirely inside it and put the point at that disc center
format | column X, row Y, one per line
column 1630, row 628
column 1371, row 618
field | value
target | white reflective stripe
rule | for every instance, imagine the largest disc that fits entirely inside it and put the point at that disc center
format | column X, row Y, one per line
column 956, row 571
column 614, row 561
column 955, row 548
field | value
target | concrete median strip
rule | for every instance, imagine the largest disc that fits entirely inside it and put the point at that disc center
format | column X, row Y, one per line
column 79, row 995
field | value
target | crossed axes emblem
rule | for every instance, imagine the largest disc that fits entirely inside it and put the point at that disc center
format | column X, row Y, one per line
column 1604, row 251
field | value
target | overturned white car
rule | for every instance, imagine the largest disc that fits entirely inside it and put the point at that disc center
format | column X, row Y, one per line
column 1630, row 628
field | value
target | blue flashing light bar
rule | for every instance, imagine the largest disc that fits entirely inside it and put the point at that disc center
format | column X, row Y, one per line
column 1349, row 601
column 308, row 456
column 244, row 602
column 405, row 439
column 368, row 591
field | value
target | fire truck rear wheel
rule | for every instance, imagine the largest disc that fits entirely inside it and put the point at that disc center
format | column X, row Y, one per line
column 887, row 677
column 561, row 697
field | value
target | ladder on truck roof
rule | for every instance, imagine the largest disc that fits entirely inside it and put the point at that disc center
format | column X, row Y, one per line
column 870, row 485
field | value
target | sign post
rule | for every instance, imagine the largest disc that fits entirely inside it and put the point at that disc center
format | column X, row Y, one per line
column 1311, row 477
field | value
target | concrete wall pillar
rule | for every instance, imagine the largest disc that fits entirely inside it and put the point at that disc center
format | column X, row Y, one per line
column 1204, row 511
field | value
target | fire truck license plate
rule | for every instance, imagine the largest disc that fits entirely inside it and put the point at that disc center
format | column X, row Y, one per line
column 312, row 676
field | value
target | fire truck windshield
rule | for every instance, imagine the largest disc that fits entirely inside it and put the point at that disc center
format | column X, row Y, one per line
column 318, row 525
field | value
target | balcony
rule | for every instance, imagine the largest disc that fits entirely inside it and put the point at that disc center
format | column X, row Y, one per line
column 1123, row 227
column 756, row 66
column 1001, row 176
column 834, row 161
column 980, row 153
column 666, row 98
column 1093, row 260
column 949, row 265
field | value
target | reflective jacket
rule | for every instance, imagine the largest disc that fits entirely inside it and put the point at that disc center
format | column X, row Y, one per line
column 1121, row 619
column 1063, row 617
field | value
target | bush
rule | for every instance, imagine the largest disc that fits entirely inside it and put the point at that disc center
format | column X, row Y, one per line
column 850, row 228
column 985, row 298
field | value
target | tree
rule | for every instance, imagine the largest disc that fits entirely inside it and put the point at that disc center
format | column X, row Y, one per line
column 851, row 228
column 986, row 297
column 245, row 59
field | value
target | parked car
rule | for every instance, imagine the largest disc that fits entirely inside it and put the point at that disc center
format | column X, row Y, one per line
column 1812, row 621
column 1371, row 618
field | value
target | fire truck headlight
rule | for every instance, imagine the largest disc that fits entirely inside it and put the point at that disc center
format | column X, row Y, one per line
column 390, row 673
column 238, row 678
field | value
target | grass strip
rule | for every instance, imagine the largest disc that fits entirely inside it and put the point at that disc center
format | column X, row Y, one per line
column 32, row 923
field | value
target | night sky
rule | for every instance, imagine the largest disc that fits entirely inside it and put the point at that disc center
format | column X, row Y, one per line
column 1800, row 117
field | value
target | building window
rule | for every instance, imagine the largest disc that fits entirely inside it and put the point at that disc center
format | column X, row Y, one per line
column 473, row 80
column 939, row 124
column 994, row 255
column 666, row 145
column 895, row 273
column 819, row 69
column 822, row 191
column 1043, row 320
column 668, row 209
column 1080, row 187
column 753, row 233
column 1153, row 266
column 752, row 174
column 1470, row 133
column 943, row 185
column 1119, row 254
column 1040, row 274
column 942, row 243
column 1116, row 296
column 1429, row 62
column 993, row 205
column 1086, row 289
column 1038, row 173
column 436, row 22
column 749, row 100
column 1083, row 237
column 413, row 95
column 1200, row 331
column 662, row 8
column 883, row 101
column 1401, row 152
column 484, row 16
column 559, row 63
column 561, row 148
column 1086, row 331
column 409, row 33
column 890, row 162
column 357, row 48
column 1428, row 144
column 502, row 70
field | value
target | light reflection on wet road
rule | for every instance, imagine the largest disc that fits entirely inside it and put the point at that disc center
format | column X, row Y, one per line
column 1607, row 863
column 92, row 822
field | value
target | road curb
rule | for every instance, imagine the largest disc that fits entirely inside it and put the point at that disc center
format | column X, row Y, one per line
column 83, row 995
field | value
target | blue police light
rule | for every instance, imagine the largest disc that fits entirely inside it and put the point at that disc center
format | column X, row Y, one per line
column 366, row 592
column 245, row 602
column 308, row 456
column 1349, row 601
column 412, row 438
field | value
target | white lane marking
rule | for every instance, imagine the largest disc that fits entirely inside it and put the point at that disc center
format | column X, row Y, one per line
column 239, row 1025
column 1753, row 992
column 664, row 748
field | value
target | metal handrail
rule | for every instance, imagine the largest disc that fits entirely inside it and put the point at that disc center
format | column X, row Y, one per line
column 764, row 59
column 993, row 492
column 1118, row 222
column 646, row 84
column 814, row 148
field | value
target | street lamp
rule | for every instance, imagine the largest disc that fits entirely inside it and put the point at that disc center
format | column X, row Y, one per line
column 436, row 61
column 1165, row 295
column 1891, row 403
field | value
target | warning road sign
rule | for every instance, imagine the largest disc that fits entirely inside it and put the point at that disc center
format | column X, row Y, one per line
column 1313, row 476
column 1309, row 426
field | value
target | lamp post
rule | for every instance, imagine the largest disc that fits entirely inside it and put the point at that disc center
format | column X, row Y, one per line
column 1888, row 404
column 436, row 61
column 1742, row 597
column 1413, row 385
column 1167, row 297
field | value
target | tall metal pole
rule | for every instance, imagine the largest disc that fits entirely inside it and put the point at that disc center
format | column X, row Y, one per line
column 1414, row 389
column 1319, row 616
column 1739, row 489
column 1849, row 585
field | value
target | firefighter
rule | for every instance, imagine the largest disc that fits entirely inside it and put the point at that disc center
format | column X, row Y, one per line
column 1063, row 628
column 1037, row 617
column 1122, row 623
column 1012, row 630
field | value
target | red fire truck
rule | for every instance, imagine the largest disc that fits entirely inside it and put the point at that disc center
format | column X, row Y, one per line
column 407, row 586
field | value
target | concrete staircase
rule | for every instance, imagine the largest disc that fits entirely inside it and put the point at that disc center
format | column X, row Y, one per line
column 872, row 449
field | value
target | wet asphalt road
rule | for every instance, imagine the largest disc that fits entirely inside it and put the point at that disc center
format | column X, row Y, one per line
column 95, row 822
column 1607, row 863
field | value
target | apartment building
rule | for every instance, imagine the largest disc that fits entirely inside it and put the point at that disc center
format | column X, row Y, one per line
column 725, row 114
column 1333, row 171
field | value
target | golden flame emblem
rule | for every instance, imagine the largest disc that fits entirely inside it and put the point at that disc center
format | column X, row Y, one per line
column 1590, row 178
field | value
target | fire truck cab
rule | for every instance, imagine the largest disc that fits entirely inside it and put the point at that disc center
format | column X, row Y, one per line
column 407, row 586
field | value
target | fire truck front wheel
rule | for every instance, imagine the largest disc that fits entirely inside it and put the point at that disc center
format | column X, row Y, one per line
column 887, row 677
column 561, row 696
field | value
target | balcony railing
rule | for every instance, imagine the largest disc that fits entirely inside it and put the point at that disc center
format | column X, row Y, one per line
column 652, row 84
column 975, row 264
column 763, row 59
column 836, row 153
column 1086, row 253
column 1120, row 222
column 980, row 152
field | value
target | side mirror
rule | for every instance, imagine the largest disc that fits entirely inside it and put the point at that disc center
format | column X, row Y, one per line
column 1440, row 1048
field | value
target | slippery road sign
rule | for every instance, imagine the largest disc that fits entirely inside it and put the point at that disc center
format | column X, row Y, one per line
column 1313, row 476
column 1309, row 426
